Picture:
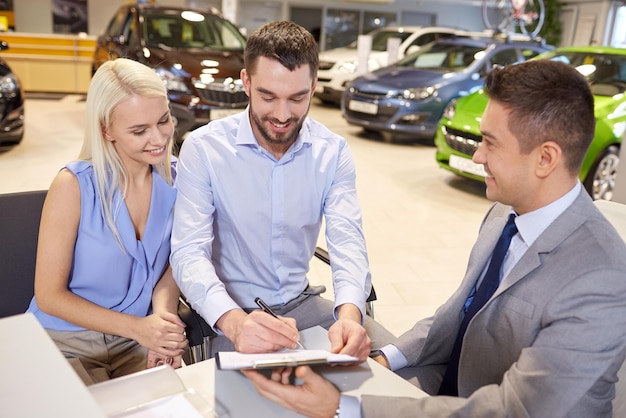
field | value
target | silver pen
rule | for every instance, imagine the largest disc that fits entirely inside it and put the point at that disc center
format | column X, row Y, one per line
column 266, row 308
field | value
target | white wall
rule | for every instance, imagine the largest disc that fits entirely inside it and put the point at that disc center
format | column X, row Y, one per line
column 35, row 16
column 590, row 22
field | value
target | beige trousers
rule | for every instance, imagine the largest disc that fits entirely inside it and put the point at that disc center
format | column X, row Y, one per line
column 97, row 357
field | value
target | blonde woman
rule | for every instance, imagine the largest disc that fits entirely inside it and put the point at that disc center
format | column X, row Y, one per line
column 103, row 286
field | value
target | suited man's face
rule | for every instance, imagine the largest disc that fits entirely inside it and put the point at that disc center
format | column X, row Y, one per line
column 511, row 175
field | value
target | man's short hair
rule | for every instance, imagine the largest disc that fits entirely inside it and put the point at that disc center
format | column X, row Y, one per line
column 284, row 41
column 548, row 101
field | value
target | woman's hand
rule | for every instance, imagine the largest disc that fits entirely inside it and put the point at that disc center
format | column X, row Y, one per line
column 155, row 360
column 162, row 333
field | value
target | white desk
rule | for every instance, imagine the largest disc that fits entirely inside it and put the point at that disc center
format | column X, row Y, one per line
column 38, row 382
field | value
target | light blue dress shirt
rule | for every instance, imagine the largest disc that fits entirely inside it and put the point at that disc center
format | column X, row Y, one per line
column 246, row 225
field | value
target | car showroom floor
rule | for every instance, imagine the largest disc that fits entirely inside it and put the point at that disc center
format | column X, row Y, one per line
column 420, row 221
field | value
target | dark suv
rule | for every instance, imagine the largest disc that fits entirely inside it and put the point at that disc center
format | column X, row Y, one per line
column 198, row 54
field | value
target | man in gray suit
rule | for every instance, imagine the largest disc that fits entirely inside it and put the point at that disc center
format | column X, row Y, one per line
column 550, row 340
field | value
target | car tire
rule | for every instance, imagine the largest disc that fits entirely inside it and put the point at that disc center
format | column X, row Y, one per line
column 600, row 181
column 388, row 137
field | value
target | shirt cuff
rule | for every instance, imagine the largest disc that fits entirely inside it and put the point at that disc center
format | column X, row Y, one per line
column 394, row 356
column 349, row 406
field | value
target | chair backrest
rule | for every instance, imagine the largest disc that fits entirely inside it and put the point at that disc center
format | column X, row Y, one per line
column 616, row 214
column 19, row 229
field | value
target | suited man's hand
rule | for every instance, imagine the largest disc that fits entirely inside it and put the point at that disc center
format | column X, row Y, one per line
column 382, row 359
column 316, row 397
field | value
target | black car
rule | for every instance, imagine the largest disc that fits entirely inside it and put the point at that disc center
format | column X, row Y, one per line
column 198, row 54
column 11, row 105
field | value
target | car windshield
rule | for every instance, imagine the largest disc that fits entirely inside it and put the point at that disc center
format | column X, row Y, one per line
column 380, row 38
column 191, row 30
column 606, row 72
column 441, row 56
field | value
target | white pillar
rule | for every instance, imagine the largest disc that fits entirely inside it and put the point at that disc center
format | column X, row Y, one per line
column 364, row 47
column 230, row 10
column 619, row 193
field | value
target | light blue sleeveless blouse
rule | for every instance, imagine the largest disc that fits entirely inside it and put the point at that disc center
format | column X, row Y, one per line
column 101, row 271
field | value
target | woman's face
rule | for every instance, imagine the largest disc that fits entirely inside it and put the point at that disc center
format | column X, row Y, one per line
column 141, row 129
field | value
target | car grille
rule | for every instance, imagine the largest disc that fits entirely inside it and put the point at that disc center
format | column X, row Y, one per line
column 384, row 112
column 326, row 65
column 218, row 93
column 366, row 96
column 383, row 115
column 462, row 141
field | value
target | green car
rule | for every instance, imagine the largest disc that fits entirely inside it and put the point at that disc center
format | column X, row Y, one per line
column 458, row 133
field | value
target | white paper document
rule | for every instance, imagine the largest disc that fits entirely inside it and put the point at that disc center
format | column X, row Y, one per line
column 233, row 360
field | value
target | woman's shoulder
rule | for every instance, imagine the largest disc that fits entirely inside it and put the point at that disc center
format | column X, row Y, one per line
column 79, row 167
column 84, row 174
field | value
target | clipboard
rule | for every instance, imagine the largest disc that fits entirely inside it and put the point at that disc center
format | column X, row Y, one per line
column 233, row 360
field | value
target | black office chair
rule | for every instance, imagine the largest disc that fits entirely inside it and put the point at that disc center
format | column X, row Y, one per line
column 19, row 231
column 199, row 333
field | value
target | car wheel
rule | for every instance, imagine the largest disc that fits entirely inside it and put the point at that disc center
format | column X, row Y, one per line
column 600, row 181
column 388, row 137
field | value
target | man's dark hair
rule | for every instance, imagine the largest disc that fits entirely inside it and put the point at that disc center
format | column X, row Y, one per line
column 284, row 41
column 547, row 101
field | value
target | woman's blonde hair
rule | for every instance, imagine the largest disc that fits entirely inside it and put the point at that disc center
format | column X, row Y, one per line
column 113, row 83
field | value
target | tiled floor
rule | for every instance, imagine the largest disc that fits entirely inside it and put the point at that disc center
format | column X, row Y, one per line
column 419, row 220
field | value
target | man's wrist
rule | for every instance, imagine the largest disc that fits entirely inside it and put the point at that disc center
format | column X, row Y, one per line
column 349, row 311
column 229, row 323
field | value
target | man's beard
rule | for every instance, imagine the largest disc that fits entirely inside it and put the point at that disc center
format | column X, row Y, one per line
column 286, row 139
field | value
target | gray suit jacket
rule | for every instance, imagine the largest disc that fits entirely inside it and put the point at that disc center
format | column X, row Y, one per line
column 548, row 343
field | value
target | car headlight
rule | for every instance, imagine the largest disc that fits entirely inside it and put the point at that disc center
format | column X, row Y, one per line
column 419, row 93
column 450, row 109
column 351, row 67
column 348, row 67
column 172, row 81
column 9, row 86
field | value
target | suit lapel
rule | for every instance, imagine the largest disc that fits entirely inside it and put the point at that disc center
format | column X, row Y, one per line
column 568, row 222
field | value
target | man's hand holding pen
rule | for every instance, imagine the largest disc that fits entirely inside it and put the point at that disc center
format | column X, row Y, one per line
column 258, row 331
column 268, row 310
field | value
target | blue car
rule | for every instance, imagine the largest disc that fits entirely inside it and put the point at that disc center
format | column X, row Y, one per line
column 405, row 100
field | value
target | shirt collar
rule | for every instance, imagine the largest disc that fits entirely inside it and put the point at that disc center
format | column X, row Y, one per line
column 531, row 225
